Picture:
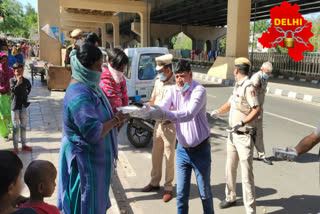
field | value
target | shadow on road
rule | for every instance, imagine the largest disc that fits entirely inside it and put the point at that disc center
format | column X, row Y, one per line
column 294, row 204
column 305, row 158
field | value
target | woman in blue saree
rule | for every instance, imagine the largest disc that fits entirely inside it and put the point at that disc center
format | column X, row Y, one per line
column 89, row 142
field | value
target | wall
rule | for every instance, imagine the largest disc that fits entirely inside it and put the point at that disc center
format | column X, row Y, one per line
column 196, row 33
column 48, row 13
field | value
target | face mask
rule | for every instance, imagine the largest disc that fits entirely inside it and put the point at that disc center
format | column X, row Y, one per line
column 185, row 87
column 79, row 42
column 6, row 52
column 265, row 76
column 162, row 77
column 117, row 75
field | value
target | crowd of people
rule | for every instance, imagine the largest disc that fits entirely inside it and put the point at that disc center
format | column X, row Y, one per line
column 92, row 121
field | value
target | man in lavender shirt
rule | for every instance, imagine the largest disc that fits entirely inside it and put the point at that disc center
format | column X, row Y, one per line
column 185, row 105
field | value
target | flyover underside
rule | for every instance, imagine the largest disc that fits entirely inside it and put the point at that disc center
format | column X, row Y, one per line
column 214, row 12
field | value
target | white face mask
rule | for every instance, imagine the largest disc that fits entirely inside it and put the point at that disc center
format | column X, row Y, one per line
column 79, row 42
column 117, row 75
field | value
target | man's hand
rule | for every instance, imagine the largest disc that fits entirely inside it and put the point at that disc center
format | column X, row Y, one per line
column 215, row 114
column 156, row 114
column 20, row 79
column 236, row 127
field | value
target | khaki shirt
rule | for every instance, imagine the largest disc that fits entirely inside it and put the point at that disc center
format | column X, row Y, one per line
column 161, row 88
column 243, row 99
column 260, row 85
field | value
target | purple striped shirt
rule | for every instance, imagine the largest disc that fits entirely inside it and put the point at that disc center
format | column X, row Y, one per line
column 189, row 114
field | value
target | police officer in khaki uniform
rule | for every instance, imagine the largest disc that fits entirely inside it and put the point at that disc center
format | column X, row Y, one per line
column 76, row 36
column 243, row 106
column 164, row 136
column 260, row 82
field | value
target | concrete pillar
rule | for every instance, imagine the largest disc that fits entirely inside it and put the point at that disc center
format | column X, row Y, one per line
column 48, row 13
column 238, row 29
column 116, row 33
column 145, row 27
column 103, row 35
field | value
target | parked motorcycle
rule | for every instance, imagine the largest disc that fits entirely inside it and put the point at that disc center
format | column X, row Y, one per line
column 139, row 131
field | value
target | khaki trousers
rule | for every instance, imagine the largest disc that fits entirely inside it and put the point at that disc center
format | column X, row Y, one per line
column 164, row 141
column 239, row 147
column 259, row 145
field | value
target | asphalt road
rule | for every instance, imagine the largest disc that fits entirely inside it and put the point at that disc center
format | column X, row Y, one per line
column 285, row 187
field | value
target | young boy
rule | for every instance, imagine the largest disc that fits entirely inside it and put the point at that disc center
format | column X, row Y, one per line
column 10, row 183
column 20, row 88
column 40, row 178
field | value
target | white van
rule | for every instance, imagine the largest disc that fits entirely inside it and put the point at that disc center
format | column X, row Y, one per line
column 141, row 71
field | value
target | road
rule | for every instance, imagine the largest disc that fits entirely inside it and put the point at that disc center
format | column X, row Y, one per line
column 285, row 187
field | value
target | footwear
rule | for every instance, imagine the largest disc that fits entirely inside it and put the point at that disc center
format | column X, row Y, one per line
column 267, row 161
column 226, row 204
column 27, row 149
column 16, row 151
column 167, row 196
column 150, row 188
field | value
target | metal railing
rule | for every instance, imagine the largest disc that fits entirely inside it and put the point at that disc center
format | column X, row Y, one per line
column 284, row 65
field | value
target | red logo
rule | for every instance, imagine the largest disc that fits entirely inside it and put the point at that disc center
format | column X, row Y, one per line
column 288, row 29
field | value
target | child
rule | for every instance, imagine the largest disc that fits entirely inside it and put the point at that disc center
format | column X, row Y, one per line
column 112, row 80
column 40, row 178
column 20, row 88
column 19, row 56
column 10, row 183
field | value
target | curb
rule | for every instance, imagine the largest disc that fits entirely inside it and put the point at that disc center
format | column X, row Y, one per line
column 114, row 209
column 274, row 91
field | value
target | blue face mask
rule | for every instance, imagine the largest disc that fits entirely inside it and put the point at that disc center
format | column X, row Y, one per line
column 265, row 76
column 162, row 77
column 185, row 87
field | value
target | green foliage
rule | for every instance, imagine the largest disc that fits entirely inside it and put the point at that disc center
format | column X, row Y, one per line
column 315, row 40
column 181, row 42
column 223, row 44
column 260, row 26
column 16, row 21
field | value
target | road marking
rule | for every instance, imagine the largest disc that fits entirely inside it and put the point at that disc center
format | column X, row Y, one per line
column 123, row 161
column 211, row 96
column 291, row 120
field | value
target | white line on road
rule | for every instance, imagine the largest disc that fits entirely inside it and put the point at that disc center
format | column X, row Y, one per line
column 123, row 161
column 211, row 96
column 285, row 118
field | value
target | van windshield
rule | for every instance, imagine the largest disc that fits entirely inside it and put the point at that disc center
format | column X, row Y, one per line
column 147, row 66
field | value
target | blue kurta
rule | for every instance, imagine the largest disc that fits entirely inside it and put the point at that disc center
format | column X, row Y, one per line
column 85, row 162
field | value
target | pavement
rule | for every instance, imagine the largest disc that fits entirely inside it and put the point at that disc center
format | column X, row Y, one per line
column 285, row 187
column 279, row 86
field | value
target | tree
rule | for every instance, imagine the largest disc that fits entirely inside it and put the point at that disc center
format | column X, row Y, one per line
column 260, row 26
column 16, row 21
column 315, row 40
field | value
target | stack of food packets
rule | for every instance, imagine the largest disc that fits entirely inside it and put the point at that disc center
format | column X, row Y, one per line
column 135, row 111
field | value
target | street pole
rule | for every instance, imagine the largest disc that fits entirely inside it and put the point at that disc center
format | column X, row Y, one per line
column 253, row 34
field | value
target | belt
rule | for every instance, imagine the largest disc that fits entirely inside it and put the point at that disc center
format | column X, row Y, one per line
column 198, row 147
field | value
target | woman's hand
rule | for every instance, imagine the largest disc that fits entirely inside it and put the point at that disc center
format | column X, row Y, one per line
column 122, row 117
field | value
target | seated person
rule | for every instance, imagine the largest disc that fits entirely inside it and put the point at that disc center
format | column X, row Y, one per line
column 40, row 178
column 10, row 183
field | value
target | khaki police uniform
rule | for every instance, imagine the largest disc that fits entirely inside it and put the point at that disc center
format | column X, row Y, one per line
column 164, row 136
column 240, row 144
column 74, row 33
column 261, row 87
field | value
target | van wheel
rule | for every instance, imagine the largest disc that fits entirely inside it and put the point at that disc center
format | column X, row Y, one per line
column 138, row 136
